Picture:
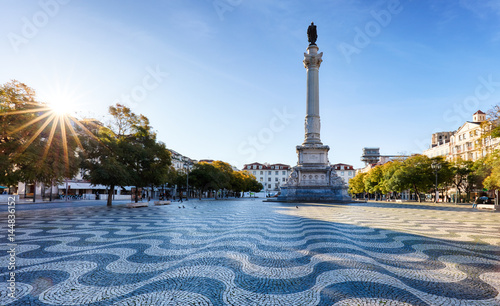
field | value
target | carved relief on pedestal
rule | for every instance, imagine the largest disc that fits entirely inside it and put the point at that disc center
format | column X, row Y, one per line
column 293, row 179
column 336, row 180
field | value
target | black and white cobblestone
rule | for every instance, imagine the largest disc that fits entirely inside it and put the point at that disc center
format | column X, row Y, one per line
column 248, row 252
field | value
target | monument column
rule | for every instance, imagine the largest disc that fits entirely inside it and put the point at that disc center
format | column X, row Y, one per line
column 313, row 179
column 312, row 61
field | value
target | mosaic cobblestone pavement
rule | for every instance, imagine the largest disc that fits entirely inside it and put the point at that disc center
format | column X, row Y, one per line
column 249, row 252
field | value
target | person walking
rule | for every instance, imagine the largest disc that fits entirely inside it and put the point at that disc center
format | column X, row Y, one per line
column 474, row 204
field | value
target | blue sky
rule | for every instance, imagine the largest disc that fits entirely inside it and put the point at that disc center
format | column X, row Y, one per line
column 224, row 79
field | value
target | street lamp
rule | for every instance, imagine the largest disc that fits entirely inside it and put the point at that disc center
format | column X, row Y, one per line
column 187, row 167
column 436, row 166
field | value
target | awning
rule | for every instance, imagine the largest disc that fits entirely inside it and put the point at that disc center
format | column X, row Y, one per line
column 72, row 185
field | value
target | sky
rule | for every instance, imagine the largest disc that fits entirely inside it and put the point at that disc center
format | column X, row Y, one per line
column 224, row 79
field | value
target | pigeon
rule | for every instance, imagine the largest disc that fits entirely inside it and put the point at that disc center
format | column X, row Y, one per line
column 296, row 207
column 179, row 207
column 183, row 206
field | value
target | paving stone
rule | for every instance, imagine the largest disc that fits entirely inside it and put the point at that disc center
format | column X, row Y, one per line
column 248, row 252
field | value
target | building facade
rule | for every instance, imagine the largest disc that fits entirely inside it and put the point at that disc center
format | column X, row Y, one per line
column 179, row 161
column 466, row 143
column 345, row 172
column 271, row 176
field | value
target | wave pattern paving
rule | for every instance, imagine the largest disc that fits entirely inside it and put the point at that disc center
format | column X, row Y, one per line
column 247, row 252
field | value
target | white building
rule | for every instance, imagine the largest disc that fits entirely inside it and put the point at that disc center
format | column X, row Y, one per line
column 271, row 176
column 179, row 161
column 466, row 143
column 344, row 171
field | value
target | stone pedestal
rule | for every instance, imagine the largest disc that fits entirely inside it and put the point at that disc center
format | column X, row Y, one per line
column 313, row 179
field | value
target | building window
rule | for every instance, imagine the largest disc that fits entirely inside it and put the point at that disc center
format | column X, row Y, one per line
column 254, row 172
column 262, row 172
column 260, row 167
column 276, row 179
column 269, row 172
column 277, row 172
column 261, row 179
column 269, row 186
column 349, row 173
column 342, row 172
column 268, row 179
column 283, row 179
column 284, row 172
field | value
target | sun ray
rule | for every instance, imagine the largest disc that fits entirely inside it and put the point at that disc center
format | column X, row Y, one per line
column 51, row 136
column 77, row 122
column 73, row 132
column 38, row 132
column 34, row 110
column 64, row 142
column 32, row 121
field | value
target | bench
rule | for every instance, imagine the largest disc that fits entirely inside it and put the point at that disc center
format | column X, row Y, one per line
column 162, row 202
column 138, row 204
column 488, row 206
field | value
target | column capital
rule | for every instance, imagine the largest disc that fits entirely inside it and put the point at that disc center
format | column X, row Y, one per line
column 312, row 59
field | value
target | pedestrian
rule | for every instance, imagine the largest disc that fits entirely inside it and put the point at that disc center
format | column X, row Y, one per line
column 180, row 198
column 474, row 205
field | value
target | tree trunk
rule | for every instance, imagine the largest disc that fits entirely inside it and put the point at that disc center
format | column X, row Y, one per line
column 136, row 194
column 111, row 191
column 34, row 192
column 50, row 194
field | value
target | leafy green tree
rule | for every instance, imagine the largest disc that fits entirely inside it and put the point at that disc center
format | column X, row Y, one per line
column 103, row 161
column 389, row 181
column 492, row 181
column 126, row 153
column 225, row 174
column 461, row 169
column 357, row 185
column 415, row 174
column 243, row 181
column 204, row 177
column 36, row 143
column 374, row 181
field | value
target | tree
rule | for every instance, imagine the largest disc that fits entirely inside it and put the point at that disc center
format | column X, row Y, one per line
column 461, row 170
column 374, row 181
column 103, row 161
column 126, row 153
column 204, row 177
column 243, row 181
column 492, row 180
column 414, row 174
column 36, row 143
column 390, row 182
column 444, row 174
column 492, row 125
column 225, row 174
column 356, row 184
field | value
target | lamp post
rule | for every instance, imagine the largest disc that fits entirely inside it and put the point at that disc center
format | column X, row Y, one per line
column 187, row 167
column 436, row 167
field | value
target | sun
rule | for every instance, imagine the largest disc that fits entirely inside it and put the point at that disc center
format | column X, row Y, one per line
column 61, row 106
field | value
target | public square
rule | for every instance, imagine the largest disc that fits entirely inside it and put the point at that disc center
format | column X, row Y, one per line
column 250, row 252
